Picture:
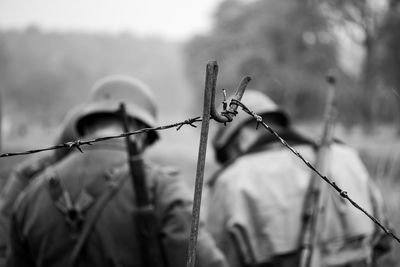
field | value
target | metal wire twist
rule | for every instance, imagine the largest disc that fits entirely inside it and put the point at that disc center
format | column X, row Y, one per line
column 341, row 192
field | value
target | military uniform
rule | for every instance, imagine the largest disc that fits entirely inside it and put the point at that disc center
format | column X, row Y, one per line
column 25, row 172
column 258, row 208
column 43, row 235
column 258, row 197
column 20, row 177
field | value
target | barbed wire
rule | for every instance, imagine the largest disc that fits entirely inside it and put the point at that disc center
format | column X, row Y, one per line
column 341, row 192
column 78, row 143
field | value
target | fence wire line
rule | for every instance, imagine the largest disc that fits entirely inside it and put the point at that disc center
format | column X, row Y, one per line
column 78, row 143
column 341, row 192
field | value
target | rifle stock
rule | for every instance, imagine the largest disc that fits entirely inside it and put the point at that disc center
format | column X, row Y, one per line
column 314, row 200
column 145, row 216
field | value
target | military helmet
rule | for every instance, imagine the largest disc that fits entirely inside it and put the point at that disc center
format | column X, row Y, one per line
column 109, row 92
column 257, row 102
column 106, row 96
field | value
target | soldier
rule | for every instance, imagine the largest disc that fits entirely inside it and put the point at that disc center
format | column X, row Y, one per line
column 256, row 212
column 81, row 211
column 24, row 173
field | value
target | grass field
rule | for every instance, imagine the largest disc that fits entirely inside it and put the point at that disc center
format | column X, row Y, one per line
column 380, row 152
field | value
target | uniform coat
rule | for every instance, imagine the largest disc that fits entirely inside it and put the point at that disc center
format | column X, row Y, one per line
column 41, row 236
column 257, row 207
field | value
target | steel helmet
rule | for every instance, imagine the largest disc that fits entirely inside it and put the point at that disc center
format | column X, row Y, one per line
column 106, row 96
column 109, row 92
column 257, row 102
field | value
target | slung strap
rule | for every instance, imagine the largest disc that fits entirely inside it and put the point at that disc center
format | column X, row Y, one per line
column 86, row 199
column 115, row 183
column 73, row 212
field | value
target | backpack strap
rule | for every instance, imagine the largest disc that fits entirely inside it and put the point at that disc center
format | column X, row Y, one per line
column 242, row 245
column 72, row 211
column 91, row 197
column 115, row 183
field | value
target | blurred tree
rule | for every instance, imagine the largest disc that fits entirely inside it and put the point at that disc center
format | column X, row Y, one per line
column 362, row 21
column 284, row 45
column 3, row 74
column 389, row 67
column 389, row 52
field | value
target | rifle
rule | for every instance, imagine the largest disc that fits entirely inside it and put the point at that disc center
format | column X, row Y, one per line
column 316, row 192
column 145, row 215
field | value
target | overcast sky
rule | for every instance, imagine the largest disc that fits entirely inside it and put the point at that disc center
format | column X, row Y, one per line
column 172, row 19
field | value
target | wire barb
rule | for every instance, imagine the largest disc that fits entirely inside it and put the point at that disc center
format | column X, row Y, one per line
column 341, row 192
column 75, row 144
column 189, row 122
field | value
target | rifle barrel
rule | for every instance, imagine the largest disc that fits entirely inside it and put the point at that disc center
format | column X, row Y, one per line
column 146, row 219
column 316, row 193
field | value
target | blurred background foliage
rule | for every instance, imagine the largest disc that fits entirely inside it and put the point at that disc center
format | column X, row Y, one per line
column 289, row 46
column 44, row 74
column 283, row 45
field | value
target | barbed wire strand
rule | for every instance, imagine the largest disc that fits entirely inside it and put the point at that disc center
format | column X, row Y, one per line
column 78, row 143
column 341, row 192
